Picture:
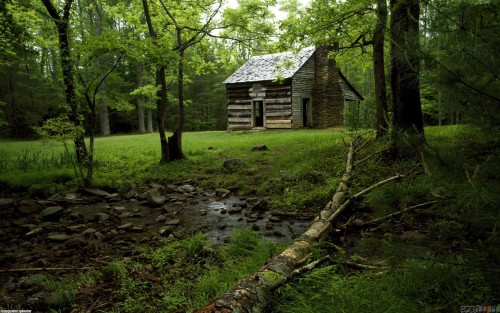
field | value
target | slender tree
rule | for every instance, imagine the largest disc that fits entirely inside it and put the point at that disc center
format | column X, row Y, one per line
column 407, row 121
column 62, row 24
column 379, row 69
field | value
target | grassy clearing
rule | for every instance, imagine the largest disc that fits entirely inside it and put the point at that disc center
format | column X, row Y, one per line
column 295, row 170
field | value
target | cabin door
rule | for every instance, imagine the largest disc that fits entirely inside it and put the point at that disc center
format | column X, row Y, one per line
column 306, row 112
column 258, row 113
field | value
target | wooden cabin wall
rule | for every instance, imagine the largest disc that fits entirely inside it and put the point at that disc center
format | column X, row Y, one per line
column 239, row 106
column 278, row 104
column 302, row 85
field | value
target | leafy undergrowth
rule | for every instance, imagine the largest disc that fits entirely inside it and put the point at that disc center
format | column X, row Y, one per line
column 439, row 257
column 177, row 277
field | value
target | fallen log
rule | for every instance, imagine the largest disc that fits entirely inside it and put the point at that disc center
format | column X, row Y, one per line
column 250, row 294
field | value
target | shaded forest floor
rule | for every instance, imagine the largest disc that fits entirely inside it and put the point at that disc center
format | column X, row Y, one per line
column 435, row 258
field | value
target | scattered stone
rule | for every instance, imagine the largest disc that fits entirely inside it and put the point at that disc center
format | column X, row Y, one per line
column 70, row 196
column 28, row 227
column 255, row 227
column 173, row 222
column 113, row 232
column 75, row 215
column 96, row 192
column 221, row 192
column 125, row 215
column 58, row 237
column 260, row 147
column 51, row 212
column 101, row 217
column 137, row 229
column 28, row 207
column 33, row 232
column 261, row 205
column 161, row 218
column 275, row 219
column 203, row 212
column 232, row 164
column 6, row 203
column 186, row 189
column 223, row 211
column 112, row 196
column 125, row 226
column 166, row 230
column 75, row 242
column 89, row 231
column 119, row 209
column 74, row 228
column 154, row 198
column 235, row 210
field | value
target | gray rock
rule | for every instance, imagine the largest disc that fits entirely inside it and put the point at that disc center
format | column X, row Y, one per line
column 186, row 189
column 255, row 227
column 137, row 229
column 154, row 198
column 33, row 232
column 58, row 237
column 165, row 231
column 28, row 207
column 6, row 203
column 112, row 195
column 96, row 192
column 275, row 219
column 101, row 217
column 221, row 192
column 28, row 227
column 161, row 218
column 89, row 231
column 261, row 205
column 125, row 215
column 74, row 242
column 260, row 147
column 51, row 212
column 70, row 196
column 119, row 209
column 173, row 222
column 125, row 226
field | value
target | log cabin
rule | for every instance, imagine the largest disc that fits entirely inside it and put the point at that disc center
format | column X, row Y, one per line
column 288, row 90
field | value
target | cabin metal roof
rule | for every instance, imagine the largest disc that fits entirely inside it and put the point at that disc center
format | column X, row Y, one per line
column 271, row 66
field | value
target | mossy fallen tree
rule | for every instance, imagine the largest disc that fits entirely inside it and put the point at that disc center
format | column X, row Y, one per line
column 251, row 294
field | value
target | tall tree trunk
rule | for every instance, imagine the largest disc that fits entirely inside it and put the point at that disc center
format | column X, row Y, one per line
column 140, row 108
column 175, row 141
column 379, row 69
column 104, row 119
column 407, row 121
column 149, row 117
column 62, row 24
column 161, row 102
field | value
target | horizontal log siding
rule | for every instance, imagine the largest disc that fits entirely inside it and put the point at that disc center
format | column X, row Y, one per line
column 239, row 106
column 347, row 92
column 302, row 84
column 278, row 105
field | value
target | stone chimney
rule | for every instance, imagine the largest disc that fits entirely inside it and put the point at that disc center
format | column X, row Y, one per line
column 327, row 98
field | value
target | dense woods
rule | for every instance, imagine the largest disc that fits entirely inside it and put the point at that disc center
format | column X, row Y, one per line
column 409, row 222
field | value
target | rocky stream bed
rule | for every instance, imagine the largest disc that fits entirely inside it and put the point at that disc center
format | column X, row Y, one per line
column 91, row 227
